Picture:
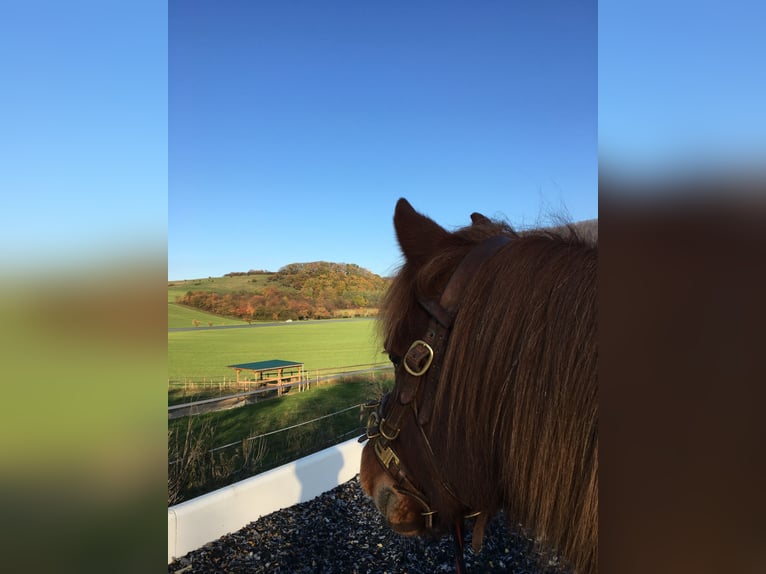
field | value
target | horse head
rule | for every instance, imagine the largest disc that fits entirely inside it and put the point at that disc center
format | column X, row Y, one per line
column 494, row 406
column 400, row 470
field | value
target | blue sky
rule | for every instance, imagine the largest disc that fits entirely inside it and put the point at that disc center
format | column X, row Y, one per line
column 83, row 132
column 295, row 126
column 682, row 85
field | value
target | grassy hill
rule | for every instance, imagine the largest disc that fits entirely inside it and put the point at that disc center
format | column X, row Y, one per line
column 226, row 284
column 180, row 316
column 297, row 291
column 319, row 344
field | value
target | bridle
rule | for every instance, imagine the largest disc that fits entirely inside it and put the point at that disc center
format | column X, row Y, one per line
column 416, row 377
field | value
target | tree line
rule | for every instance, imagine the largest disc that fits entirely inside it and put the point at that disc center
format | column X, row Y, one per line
column 315, row 290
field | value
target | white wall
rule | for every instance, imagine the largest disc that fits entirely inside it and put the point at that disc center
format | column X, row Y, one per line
column 196, row 522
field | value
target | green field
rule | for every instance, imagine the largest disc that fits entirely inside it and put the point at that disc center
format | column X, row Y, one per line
column 201, row 352
column 180, row 316
column 318, row 344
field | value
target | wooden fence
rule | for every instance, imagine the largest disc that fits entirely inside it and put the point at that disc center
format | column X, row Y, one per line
column 197, row 396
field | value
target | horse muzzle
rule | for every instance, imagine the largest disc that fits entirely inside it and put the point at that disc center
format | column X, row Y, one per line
column 401, row 513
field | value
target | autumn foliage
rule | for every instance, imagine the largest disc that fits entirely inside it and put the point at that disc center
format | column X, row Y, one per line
column 314, row 290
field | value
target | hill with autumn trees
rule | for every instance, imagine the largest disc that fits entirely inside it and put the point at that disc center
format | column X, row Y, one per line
column 316, row 290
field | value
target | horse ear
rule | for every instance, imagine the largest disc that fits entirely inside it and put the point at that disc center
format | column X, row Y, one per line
column 479, row 219
column 419, row 236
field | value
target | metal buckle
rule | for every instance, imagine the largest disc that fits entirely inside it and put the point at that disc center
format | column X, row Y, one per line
column 382, row 432
column 429, row 518
column 373, row 422
column 425, row 367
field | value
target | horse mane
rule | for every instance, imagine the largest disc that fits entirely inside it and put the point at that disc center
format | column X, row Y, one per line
column 515, row 420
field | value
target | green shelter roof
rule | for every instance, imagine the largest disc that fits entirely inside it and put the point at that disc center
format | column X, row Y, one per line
column 266, row 365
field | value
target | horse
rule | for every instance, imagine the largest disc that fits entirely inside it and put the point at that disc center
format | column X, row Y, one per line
column 492, row 333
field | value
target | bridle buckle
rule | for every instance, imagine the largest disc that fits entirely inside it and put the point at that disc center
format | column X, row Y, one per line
column 373, row 423
column 423, row 368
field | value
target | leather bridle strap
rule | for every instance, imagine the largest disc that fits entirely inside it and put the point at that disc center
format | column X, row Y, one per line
column 445, row 310
column 457, row 538
column 423, row 361
column 465, row 271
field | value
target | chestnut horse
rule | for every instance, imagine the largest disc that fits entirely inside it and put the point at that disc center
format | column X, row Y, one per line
column 493, row 336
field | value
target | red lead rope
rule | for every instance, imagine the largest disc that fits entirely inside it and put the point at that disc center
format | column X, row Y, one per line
column 457, row 536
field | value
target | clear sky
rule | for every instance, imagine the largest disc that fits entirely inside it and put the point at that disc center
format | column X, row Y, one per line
column 295, row 126
column 83, row 132
column 682, row 85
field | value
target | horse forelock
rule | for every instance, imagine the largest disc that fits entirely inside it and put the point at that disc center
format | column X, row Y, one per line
column 515, row 418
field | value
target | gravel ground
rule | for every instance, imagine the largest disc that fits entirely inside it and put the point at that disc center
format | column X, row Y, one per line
column 342, row 532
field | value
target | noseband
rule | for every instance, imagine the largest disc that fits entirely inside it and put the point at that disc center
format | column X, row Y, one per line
column 417, row 374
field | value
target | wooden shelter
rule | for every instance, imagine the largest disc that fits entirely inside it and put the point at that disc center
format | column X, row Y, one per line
column 276, row 373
